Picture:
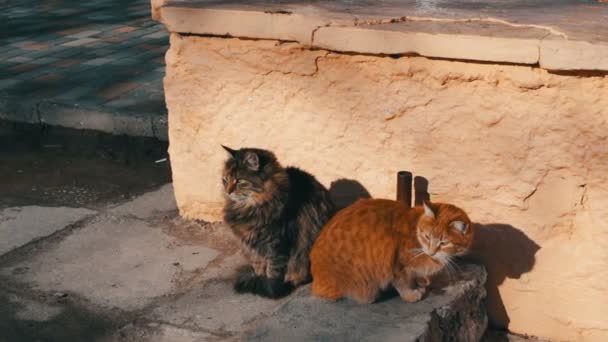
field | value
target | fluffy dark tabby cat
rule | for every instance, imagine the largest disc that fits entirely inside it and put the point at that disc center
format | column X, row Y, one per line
column 277, row 213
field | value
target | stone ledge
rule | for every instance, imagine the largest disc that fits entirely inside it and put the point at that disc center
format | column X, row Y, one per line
column 388, row 31
column 455, row 313
column 573, row 55
column 400, row 39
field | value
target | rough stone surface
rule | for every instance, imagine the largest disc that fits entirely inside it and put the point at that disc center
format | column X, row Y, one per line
column 18, row 226
column 521, row 149
column 114, row 262
column 457, row 314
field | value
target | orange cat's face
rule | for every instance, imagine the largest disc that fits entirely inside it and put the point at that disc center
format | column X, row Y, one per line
column 444, row 231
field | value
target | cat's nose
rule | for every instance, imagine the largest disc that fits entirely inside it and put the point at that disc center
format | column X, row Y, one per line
column 230, row 188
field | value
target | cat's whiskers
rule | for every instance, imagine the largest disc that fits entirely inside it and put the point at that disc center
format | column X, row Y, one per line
column 445, row 260
column 453, row 266
column 450, row 271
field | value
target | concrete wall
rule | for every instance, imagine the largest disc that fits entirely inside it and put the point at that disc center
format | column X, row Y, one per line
column 524, row 151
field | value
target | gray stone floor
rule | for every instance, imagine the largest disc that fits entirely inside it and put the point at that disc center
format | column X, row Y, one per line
column 135, row 271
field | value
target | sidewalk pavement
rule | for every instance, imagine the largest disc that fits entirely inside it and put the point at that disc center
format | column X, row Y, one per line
column 83, row 64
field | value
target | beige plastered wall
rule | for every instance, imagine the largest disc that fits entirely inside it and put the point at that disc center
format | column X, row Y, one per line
column 522, row 150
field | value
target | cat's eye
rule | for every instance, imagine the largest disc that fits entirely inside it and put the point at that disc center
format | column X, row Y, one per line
column 443, row 243
column 427, row 236
column 224, row 180
column 241, row 182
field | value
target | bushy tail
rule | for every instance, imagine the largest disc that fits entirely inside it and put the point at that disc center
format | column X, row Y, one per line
column 248, row 282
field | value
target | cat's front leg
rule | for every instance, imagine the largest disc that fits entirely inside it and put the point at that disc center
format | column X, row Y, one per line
column 405, row 283
column 259, row 265
column 411, row 295
column 257, row 261
column 275, row 266
column 298, row 269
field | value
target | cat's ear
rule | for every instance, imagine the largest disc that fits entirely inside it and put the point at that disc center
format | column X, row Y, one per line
column 252, row 161
column 459, row 226
column 427, row 210
column 230, row 151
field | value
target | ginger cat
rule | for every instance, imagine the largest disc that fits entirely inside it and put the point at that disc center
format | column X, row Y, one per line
column 375, row 243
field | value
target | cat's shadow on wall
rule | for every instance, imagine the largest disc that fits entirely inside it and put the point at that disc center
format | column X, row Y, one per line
column 344, row 192
column 505, row 251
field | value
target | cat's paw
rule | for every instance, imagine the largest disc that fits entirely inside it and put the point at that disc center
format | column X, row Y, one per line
column 412, row 295
column 245, row 278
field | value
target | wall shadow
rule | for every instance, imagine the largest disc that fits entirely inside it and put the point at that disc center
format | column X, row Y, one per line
column 506, row 252
column 344, row 192
column 421, row 190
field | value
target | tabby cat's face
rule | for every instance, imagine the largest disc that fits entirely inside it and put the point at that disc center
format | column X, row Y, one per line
column 444, row 231
column 243, row 177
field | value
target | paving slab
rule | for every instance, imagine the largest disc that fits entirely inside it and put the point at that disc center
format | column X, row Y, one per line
column 216, row 308
column 149, row 204
column 114, row 262
column 21, row 225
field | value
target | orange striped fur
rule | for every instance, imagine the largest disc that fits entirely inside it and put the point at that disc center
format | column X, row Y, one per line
column 375, row 243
